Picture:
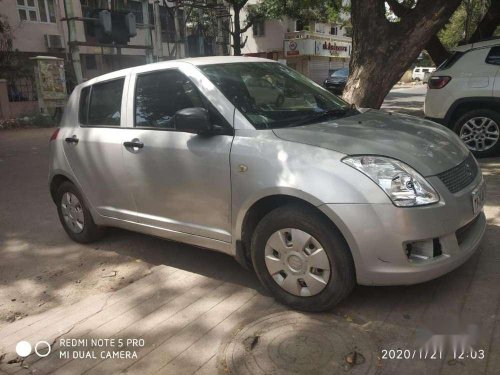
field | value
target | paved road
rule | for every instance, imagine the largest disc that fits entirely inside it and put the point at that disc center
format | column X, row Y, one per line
column 193, row 301
column 409, row 100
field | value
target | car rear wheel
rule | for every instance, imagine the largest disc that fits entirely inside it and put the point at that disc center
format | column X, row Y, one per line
column 74, row 215
column 302, row 258
column 480, row 131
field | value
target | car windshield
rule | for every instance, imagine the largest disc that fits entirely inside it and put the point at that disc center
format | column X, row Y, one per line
column 271, row 95
column 340, row 73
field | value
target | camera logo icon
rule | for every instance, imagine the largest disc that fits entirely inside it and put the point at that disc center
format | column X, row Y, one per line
column 24, row 348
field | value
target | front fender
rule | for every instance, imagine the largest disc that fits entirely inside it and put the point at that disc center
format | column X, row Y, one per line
column 264, row 165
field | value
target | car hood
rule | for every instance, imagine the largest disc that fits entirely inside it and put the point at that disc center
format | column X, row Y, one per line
column 426, row 146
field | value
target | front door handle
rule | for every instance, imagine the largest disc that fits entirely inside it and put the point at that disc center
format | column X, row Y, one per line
column 134, row 144
column 72, row 139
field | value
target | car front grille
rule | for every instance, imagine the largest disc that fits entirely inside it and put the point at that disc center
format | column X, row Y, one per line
column 461, row 176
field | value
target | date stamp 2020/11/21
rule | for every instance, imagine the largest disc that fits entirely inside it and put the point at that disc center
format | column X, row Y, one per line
column 463, row 346
column 423, row 353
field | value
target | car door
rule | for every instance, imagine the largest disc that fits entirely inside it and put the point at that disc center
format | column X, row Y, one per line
column 478, row 76
column 93, row 148
column 180, row 181
column 493, row 59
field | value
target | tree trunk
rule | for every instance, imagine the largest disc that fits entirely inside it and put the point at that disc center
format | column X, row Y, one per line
column 488, row 24
column 236, row 32
column 384, row 50
column 436, row 50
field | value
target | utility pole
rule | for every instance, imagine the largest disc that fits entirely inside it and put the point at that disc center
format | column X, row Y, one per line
column 148, row 38
column 177, row 33
column 219, row 39
column 159, row 42
column 74, row 50
column 184, row 28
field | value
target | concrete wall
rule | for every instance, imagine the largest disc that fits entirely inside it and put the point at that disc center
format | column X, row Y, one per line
column 272, row 40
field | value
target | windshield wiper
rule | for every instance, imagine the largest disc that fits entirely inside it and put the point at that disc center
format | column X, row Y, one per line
column 337, row 112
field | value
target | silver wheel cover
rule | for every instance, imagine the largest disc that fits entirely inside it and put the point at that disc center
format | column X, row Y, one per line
column 72, row 212
column 297, row 262
column 480, row 133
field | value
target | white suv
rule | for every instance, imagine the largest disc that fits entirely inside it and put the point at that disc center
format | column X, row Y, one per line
column 464, row 94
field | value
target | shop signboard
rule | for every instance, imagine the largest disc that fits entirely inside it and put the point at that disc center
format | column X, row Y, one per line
column 314, row 47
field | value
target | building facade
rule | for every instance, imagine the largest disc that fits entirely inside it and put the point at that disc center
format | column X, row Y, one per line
column 39, row 28
column 314, row 48
column 67, row 29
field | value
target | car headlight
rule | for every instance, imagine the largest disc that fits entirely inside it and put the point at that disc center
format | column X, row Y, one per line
column 404, row 186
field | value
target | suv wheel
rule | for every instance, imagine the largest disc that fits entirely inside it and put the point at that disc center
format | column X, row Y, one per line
column 302, row 259
column 74, row 215
column 480, row 131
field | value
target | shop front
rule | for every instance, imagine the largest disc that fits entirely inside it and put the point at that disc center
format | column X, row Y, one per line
column 316, row 57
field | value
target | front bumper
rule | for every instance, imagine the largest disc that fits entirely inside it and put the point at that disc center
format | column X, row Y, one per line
column 378, row 235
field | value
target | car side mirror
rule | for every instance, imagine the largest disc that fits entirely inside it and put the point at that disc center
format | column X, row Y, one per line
column 193, row 120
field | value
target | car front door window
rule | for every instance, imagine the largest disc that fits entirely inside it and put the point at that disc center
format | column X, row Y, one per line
column 160, row 95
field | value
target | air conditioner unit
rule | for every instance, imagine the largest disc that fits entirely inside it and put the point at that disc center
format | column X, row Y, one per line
column 53, row 41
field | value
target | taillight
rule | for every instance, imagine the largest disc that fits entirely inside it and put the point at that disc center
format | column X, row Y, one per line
column 438, row 82
column 54, row 135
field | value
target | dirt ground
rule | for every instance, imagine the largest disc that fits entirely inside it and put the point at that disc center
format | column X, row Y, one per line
column 40, row 267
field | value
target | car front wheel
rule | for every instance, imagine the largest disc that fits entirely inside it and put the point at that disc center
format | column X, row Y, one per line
column 302, row 258
column 480, row 131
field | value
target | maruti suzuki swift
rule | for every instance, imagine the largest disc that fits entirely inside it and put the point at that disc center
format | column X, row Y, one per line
column 248, row 157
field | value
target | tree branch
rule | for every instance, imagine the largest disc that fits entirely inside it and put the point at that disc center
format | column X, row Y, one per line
column 488, row 24
column 436, row 50
column 247, row 26
column 242, row 44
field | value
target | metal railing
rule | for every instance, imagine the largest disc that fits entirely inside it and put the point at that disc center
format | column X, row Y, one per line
column 21, row 90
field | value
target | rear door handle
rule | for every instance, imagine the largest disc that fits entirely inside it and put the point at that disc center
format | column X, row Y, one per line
column 72, row 139
column 133, row 144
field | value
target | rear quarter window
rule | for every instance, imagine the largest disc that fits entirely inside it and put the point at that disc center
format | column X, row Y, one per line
column 100, row 104
column 83, row 111
column 451, row 60
column 494, row 56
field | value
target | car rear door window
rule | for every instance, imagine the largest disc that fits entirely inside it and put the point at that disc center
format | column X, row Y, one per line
column 160, row 94
column 104, row 106
column 83, row 112
column 494, row 56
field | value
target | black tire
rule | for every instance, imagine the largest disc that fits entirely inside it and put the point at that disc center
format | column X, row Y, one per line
column 488, row 113
column 343, row 277
column 91, row 232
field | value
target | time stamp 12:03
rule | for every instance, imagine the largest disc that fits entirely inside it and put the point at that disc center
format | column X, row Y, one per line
column 458, row 354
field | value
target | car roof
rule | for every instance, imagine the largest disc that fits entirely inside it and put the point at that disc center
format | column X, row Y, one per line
column 197, row 61
column 481, row 44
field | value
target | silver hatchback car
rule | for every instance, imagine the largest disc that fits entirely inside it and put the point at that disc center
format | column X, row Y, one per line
column 248, row 157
